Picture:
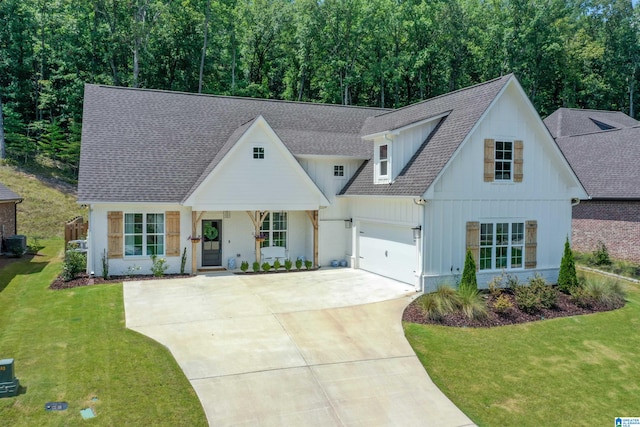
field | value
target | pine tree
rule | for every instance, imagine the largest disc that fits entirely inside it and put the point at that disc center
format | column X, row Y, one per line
column 469, row 273
column 567, row 279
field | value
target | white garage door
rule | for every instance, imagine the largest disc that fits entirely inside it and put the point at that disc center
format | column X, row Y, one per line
column 387, row 250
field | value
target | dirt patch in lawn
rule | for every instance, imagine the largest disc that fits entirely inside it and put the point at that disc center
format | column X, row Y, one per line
column 86, row 280
column 565, row 307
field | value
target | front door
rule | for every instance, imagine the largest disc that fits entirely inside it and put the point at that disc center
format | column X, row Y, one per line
column 211, row 247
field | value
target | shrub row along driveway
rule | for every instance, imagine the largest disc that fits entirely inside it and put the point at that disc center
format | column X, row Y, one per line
column 315, row 348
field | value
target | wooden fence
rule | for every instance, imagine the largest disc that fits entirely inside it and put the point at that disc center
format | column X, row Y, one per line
column 76, row 229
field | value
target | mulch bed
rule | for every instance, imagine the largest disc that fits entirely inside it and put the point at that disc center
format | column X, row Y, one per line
column 566, row 307
column 86, row 280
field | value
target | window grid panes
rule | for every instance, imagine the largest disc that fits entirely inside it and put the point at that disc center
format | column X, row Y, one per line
column 143, row 234
column 384, row 160
column 504, row 160
column 274, row 227
column 501, row 245
column 486, row 246
column 258, row 152
column 338, row 170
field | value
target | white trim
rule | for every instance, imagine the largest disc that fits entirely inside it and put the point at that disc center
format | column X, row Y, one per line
column 406, row 127
column 288, row 156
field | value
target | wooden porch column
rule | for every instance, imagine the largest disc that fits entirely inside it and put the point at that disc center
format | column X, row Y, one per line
column 257, row 218
column 313, row 216
column 195, row 219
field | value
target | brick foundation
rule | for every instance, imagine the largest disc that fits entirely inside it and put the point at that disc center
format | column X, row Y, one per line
column 615, row 223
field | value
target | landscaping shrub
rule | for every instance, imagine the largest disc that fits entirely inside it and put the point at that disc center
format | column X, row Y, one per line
column 105, row 265
column 276, row 265
column 538, row 295
column 266, row 266
column 471, row 303
column 288, row 264
column 600, row 256
column 299, row 264
column 502, row 305
column 567, row 279
column 605, row 293
column 244, row 266
column 547, row 295
column 183, row 260
column 469, row 273
column 158, row 266
column 74, row 263
column 308, row 264
column 255, row 266
column 496, row 285
column 443, row 301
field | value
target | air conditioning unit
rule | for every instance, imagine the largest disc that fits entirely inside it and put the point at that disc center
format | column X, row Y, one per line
column 16, row 245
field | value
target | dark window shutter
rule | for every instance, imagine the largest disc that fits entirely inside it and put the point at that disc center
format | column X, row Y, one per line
column 489, row 160
column 173, row 233
column 518, row 160
column 473, row 241
column 114, row 234
column 531, row 244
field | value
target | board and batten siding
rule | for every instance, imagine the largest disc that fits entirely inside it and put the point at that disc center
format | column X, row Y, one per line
column 463, row 194
column 240, row 182
column 106, row 236
column 405, row 145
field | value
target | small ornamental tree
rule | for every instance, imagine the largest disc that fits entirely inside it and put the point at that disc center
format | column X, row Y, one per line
column 567, row 278
column 469, row 273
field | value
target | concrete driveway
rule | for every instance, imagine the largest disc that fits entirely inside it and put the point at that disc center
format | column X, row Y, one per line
column 322, row 348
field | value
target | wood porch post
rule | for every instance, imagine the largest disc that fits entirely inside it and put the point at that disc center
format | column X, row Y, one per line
column 257, row 218
column 195, row 218
column 313, row 216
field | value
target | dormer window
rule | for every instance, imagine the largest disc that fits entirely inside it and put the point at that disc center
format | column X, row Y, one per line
column 384, row 160
column 258, row 152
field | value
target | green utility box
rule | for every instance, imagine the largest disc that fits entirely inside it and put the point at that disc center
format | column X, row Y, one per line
column 9, row 384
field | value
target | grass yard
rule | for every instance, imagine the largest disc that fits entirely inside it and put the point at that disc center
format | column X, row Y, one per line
column 72, row 345
column 575, row 371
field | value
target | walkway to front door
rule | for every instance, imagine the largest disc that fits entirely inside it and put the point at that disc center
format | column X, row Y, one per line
column 320, row 348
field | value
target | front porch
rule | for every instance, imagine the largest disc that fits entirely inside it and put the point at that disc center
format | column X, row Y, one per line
column 220, row 239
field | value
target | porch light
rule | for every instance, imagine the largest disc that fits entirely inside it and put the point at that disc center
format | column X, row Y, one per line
column 348, row 223
column 416, row 232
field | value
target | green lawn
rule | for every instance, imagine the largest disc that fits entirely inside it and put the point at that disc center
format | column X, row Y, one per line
column 72, row 346
column 577, row 371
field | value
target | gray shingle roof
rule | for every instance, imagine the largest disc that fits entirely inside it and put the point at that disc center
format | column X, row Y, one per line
column 606, row 162
column 152, row 146
column 463, row 108
column 573, row 121
column 156, row 146
column 7, row 195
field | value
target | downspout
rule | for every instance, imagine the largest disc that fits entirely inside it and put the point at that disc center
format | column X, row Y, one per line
column 15, row 217
column 420, row 245
column 575, row 202
column 90, row 248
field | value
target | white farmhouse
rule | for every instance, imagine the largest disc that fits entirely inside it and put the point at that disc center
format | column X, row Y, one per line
column 401, row 193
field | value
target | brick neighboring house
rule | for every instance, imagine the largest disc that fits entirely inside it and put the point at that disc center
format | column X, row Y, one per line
column 8, row 213
column 603, row 148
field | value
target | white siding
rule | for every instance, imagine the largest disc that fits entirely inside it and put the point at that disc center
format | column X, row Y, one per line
column 461, row 195
column 241, row 182
column 119, row 266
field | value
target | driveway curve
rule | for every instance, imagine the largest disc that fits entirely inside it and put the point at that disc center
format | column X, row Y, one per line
column 320, row 348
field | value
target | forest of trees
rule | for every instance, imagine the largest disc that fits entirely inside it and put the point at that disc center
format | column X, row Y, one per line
column 385, row 53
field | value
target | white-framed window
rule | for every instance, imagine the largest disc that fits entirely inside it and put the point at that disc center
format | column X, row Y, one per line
column 338, row 171
column 501, row 245
column 258, row 152
column 274, row 227
column 383, row 160
column 144, row 234
column 504, row 161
